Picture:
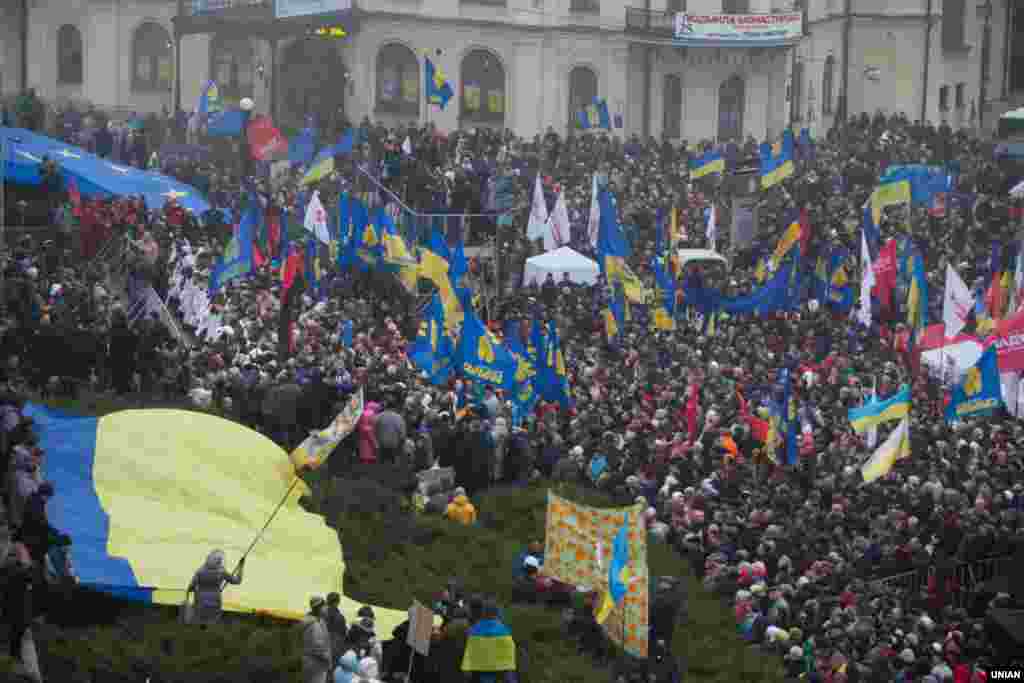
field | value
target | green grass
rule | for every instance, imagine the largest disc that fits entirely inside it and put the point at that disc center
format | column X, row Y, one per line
column 481, row 557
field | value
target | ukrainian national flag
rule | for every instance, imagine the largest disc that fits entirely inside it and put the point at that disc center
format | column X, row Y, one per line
column 489, row 647
column 889, row 194
column 708, row 163
column 876, row 412
column 439, row 90
column 896, row 447
column 917, row 298
column 664, row 303
column 435, row 268
column 979, row 392
column 776, row 167
column 397, row 257
column 790, row 238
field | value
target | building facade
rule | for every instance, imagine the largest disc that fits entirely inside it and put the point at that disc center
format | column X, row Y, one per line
column 526, row 64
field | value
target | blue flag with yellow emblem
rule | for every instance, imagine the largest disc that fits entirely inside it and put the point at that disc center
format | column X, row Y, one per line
column 432, row 349
column 979, row 392
column 481, row 356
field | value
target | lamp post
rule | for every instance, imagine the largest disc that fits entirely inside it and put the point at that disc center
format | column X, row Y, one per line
column 984, row 13
column 246, row 105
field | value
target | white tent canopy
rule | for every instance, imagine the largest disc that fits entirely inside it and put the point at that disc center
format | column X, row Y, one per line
column 582, row 271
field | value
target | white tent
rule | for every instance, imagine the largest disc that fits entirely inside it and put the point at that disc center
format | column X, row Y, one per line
column 581, row 270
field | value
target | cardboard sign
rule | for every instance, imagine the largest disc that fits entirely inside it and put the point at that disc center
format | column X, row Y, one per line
column 421, row 625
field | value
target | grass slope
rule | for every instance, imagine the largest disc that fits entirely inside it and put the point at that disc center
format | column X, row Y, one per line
column 393, row 575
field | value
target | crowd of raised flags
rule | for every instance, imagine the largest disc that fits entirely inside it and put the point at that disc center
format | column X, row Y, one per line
column 453, row 339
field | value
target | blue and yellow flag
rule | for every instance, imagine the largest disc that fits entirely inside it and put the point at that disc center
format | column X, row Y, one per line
column 489, row 647
column 708, row 163
column 434, row 266
column 538, row 342
column 783, row 423
column 439, row 90
column 209, row 99
column 917, row 298
column 889, row 194
column 664, row 300
column 979, row 392
column 777, row 165
column 237, row 258
column 481, row 356
column 458, row 264
column 343, row 232
column 618, row 574
column 875, row 412
column 790, row 238
column 525, row 394
column 553, row 382
column 433, row 349
column 396, row 257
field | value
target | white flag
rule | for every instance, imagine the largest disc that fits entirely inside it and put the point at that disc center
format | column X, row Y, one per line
column 538, row 213
column 957, row 303
column 712, row 230
column 316, row 219
column 867, row 281
column 407, row 146
column 557, row 233
column 594, row 221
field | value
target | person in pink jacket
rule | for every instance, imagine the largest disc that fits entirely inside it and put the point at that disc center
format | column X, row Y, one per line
column 367, row 435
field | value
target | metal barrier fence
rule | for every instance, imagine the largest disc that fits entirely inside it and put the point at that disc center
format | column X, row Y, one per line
column 969, row 575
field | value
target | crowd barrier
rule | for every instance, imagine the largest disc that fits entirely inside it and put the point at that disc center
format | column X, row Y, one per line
column 969, row 575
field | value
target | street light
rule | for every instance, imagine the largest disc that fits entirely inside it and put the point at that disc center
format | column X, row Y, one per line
column 984, row 13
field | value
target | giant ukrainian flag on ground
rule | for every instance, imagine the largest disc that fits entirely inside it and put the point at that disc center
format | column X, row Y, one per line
column 146, row 495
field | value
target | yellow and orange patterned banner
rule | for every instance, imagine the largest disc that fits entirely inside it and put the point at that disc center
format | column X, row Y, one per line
column 578, row 551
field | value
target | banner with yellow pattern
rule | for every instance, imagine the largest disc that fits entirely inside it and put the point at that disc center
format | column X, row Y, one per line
column 578, row 551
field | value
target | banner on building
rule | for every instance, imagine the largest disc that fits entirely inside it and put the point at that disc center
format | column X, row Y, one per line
column 741, row 30
column 305, row 8
column 578, row 551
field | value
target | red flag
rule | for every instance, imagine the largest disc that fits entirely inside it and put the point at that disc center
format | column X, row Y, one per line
column 885, row 274
column 75, row 197
column 805, row 230
column 995, row 297
column 257, row 256
column 691, row 413
column 272, row 220
column 758, row 427
column 291, row 269
column 265, row 141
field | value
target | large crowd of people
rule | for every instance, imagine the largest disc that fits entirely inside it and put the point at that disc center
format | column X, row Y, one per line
column 801, row 553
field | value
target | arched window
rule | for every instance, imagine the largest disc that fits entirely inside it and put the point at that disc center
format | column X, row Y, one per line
column 796, row 93
column 672, row 105
column 483, row 88
column 398, row 80
column 153, row 68
column 69, row 55
column 732, row 102
column 231, row 66
column 826, row 85
column 582, row 90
